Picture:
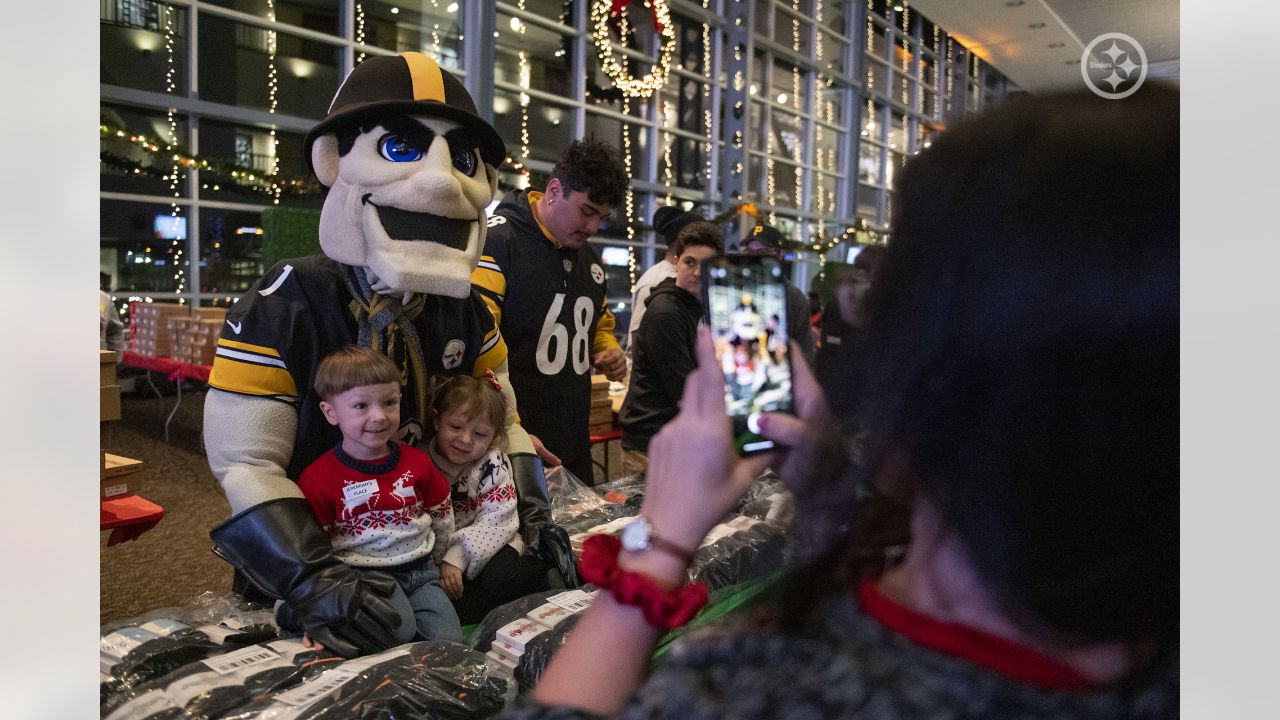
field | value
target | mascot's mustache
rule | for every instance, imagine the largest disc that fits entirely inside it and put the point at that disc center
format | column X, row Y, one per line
column 406, row 225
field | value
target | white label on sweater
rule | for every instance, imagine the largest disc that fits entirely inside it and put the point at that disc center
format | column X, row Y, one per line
column 572, row 600
column 356, row 493
column 308, row 693
column 248, row 657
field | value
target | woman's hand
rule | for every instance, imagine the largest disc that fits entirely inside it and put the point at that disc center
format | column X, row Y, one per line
column 451, row 580
column 695, row 475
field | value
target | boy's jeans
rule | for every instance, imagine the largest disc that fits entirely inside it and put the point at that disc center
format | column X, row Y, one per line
column 424, row 608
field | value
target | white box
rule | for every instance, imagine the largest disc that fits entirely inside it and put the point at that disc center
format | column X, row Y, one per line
column 520, row 632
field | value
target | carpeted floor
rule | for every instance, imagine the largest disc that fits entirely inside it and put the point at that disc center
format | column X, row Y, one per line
column 172, row 564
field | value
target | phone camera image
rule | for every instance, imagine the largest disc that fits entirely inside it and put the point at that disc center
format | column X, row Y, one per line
column 746, row 310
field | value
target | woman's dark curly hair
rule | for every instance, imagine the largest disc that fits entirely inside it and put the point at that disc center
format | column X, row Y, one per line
column 594, row 167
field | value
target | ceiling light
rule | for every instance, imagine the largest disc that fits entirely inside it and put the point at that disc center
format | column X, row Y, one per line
column 782, row 98
column 453, row 8
column 395, row 11
column 897, row 7
column 515, row 24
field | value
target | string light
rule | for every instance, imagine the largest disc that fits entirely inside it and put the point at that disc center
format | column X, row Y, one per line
column 614, row 65
column 871, row 75
column 360, row 30
column 706, row 91
column 951, row 75
column 171, row 87
column 819, row 153
column 936, row 59
column 976, row 86
column 272, row 88
column 435, row 27
column 906, row 58
column 797, row 155
column 630, row 202
column 524, row 77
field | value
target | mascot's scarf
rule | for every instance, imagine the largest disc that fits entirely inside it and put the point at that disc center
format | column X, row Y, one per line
column 386, row 325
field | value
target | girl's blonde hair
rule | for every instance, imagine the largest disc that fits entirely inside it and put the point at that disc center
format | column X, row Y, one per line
column 474, row 397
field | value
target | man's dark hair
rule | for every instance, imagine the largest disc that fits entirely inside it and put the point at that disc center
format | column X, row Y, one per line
column 698, row 233
column 594, row 167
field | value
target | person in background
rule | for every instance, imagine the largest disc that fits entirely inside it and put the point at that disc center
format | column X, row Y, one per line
column 767, row 240
column 545, row 286
column 668, row 220
column 840, row 344
column 664, row 344
column 110, row 328
column 483, row 565
column 384, row 504
column 1023, row 395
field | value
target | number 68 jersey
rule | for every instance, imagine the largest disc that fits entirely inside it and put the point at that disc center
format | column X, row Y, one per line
column 549, row 303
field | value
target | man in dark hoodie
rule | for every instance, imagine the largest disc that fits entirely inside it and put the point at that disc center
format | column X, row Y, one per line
column 664, row 344
column 545, row 286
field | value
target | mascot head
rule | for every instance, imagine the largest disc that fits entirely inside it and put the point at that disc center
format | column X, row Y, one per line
column 410, row 168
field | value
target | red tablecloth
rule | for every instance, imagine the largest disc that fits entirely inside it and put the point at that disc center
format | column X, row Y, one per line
column 128, row 517
column 174, row 369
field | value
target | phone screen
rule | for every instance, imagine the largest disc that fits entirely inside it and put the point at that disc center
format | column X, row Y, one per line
column 746, row 306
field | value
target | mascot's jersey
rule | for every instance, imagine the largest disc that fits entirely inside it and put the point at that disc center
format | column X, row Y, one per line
column 550, row 304
column 300, row 311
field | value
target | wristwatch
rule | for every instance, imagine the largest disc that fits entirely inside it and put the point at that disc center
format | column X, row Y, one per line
column 638, row 536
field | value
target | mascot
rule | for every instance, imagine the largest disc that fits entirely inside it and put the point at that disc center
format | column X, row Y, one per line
column 410, row 168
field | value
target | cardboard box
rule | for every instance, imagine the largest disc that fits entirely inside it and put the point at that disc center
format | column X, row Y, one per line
column 107, row 365
column 115, row 487
column 109, row 402
column 117, row 465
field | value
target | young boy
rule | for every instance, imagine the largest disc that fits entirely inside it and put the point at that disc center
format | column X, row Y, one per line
column 382, row 503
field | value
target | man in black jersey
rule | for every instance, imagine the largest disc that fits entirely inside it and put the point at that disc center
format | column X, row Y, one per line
column 545, row 286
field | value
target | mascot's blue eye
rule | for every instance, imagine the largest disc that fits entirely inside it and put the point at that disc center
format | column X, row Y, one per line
column 465, row 162
column 398, row 149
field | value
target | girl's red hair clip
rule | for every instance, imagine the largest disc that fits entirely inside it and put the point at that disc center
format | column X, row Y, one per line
column 493, row 380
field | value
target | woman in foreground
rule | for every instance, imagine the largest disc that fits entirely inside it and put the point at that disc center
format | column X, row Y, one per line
column 1022, row 397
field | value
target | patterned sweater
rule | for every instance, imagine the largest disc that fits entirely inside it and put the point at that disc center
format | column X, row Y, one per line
column 381, row 513
column 849, row 665
column 484, row 510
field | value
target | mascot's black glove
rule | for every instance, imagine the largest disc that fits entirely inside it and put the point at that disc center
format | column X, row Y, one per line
column 542, row 537
column 282, row 549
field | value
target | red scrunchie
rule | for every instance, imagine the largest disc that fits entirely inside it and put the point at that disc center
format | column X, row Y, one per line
column 666, row 608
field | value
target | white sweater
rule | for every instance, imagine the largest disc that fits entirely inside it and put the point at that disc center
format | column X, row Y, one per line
column 484, row 510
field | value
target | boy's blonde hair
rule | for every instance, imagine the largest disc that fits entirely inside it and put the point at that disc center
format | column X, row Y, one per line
column 352, row 367
column 475, row 397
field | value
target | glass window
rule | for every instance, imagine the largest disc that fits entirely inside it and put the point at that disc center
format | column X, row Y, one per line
column 139, row 243
column 897, row 138
column 901, row 89
column 689, row 47
column 431, row 27
column 784, row 174
column 756, row 128
column 830, row 106
column 826, row 148
column 896, row 160
column 133, row 51
column 550, row 126
column 549, row 56
column 879, row 77
column 132, row 150
column 230, row 250
column 836, row 14
column 756, row 167
column 832, row 53
column 868, row 201
column 557, row 10
column 762, row 18
column 784, row 85
column 241, row 160
column 872, row 126
column 234, row 68
column 788, row 134
column 609, row 129
column 877, row 49
column 319, row 15
column 869, row 163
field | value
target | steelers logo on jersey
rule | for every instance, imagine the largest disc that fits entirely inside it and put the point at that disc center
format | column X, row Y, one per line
column 568, row 265
column 597, row 273
column 495, row 220
column 453, row 352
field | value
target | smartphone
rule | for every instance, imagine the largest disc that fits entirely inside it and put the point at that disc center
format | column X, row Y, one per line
column 744, row 299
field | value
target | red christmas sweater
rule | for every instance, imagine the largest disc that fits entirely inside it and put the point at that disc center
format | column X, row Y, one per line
column 380, row 513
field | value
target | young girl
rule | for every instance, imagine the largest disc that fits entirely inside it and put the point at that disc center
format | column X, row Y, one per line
column 483, row 565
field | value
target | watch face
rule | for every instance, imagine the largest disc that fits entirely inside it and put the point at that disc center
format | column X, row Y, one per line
column 635, row 536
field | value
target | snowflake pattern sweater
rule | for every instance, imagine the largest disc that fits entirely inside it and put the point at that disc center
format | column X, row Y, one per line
column 382, row 513
column 484, row 510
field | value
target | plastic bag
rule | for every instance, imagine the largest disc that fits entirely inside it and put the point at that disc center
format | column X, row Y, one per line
column 576, row 507
column 769, row 499
column 431, row 679
column 627, row 490
column 737, row 551
column 215, row 686
column 149, row 646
